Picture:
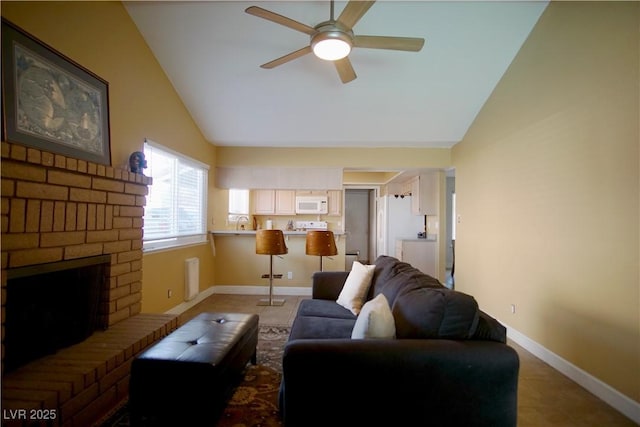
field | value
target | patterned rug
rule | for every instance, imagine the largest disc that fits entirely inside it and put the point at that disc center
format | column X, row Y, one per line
column 254, row 402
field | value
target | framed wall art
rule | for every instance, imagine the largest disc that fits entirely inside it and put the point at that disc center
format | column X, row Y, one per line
column 50, row 102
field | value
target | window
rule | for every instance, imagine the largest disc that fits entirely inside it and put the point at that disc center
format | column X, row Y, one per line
column 238, row 204
column 176, row 211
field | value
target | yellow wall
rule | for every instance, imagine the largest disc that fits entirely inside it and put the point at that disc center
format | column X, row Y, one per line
column 143, row 104
column 238, row 264
column 547, row 186
column 372, row 158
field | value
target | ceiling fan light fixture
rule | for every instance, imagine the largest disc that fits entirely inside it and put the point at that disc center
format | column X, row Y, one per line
column 331, row 45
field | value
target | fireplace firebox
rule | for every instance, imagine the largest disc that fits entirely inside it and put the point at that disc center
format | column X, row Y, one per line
column 52, row 306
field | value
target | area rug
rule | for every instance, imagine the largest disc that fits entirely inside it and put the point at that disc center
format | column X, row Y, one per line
column 254, row 402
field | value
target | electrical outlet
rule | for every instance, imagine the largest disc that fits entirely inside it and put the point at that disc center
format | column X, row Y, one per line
column 290, row 275
column 513, row 309
column 169, row 293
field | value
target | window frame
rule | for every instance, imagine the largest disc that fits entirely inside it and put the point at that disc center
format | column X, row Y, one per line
column 177, row 241
column 235, row 216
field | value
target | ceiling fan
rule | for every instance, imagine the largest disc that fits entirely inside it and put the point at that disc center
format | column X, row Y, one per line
column 333, row 40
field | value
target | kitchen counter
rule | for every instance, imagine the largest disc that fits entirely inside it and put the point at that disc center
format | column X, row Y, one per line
column 420, row 253
column 253, row 232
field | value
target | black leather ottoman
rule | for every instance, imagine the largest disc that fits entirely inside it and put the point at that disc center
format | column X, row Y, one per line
column 187, row 377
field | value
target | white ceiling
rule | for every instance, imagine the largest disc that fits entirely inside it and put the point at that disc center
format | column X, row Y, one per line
column 212, row 52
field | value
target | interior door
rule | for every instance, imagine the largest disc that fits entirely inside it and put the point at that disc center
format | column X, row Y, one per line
column 357, row 225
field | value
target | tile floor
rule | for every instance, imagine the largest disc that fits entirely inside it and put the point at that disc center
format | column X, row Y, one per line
column 545, row 396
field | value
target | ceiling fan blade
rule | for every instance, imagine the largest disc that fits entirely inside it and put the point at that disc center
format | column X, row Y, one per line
column 288, row 57
column 345, row 69
column 279, row 19
column 353, row 11
column 394, row 43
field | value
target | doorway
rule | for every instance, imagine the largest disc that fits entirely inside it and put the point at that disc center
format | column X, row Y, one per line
column 451, row 221
column 360, row 225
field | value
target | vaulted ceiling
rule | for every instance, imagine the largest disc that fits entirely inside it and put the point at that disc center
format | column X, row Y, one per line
column 212, row 51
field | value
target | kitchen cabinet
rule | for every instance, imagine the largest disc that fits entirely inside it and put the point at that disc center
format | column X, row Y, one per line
column 274, row 202
column 285, row 202
column 424, row 194
column 264, row 202
column 420, row 253
column 334, row 199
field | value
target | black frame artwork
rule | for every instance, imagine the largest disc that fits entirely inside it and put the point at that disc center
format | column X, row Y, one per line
column 50, row 102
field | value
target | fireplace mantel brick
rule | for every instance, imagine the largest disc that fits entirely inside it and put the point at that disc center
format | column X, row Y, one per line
column 56, row 208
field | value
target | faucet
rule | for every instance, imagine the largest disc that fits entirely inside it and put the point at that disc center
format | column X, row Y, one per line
column 241, row 217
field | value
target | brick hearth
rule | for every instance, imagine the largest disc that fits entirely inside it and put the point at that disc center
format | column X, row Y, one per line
column 57, row 208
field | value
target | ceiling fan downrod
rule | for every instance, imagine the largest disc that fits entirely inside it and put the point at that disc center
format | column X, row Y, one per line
column 331, row 41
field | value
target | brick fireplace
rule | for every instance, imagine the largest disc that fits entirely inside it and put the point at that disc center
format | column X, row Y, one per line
column 57, row 208
column 54, row 209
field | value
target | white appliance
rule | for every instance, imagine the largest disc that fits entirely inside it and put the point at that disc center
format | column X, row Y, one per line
column 312, row 225
column 395, row 221
column 312, row 205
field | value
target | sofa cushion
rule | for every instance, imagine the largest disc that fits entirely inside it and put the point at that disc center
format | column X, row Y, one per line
column 324, row 308
column 383, row 270
column 375, row 320
column 310, row 327
column 386, row 267
column 355, row 288
column 489, row 329
column 435, row 313
column 392, row 276
column 400, row 282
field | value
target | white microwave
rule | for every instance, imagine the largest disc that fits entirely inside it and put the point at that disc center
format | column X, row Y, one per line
column 312, row 205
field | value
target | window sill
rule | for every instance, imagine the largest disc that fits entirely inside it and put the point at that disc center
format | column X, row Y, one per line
column 173, row 244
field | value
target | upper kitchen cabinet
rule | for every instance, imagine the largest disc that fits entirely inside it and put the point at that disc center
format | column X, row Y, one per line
column 424, row 194
column 264, row 202
column 274, row 202
column 334, row 198
column 285, row 202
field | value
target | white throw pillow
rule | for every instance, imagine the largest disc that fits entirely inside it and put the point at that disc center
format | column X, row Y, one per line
column 356, row 287
column 375, row 320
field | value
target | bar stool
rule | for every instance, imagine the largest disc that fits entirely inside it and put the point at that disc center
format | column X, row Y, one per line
column 321, row 243
column 270, row 242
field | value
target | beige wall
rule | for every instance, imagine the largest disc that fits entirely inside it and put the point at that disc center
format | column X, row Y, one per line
column 370, row 158
column 547, row 187
column 143, row 104
column 238, row 264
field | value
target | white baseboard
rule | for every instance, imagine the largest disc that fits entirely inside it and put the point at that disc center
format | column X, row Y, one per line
column 627, row 406
column 182, row 307
column 238, row 290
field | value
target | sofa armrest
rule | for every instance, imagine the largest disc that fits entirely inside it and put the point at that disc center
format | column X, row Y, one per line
column 399, row 382
column 328, row 284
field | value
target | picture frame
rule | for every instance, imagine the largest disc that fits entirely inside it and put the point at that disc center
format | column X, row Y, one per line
column 50, row 102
